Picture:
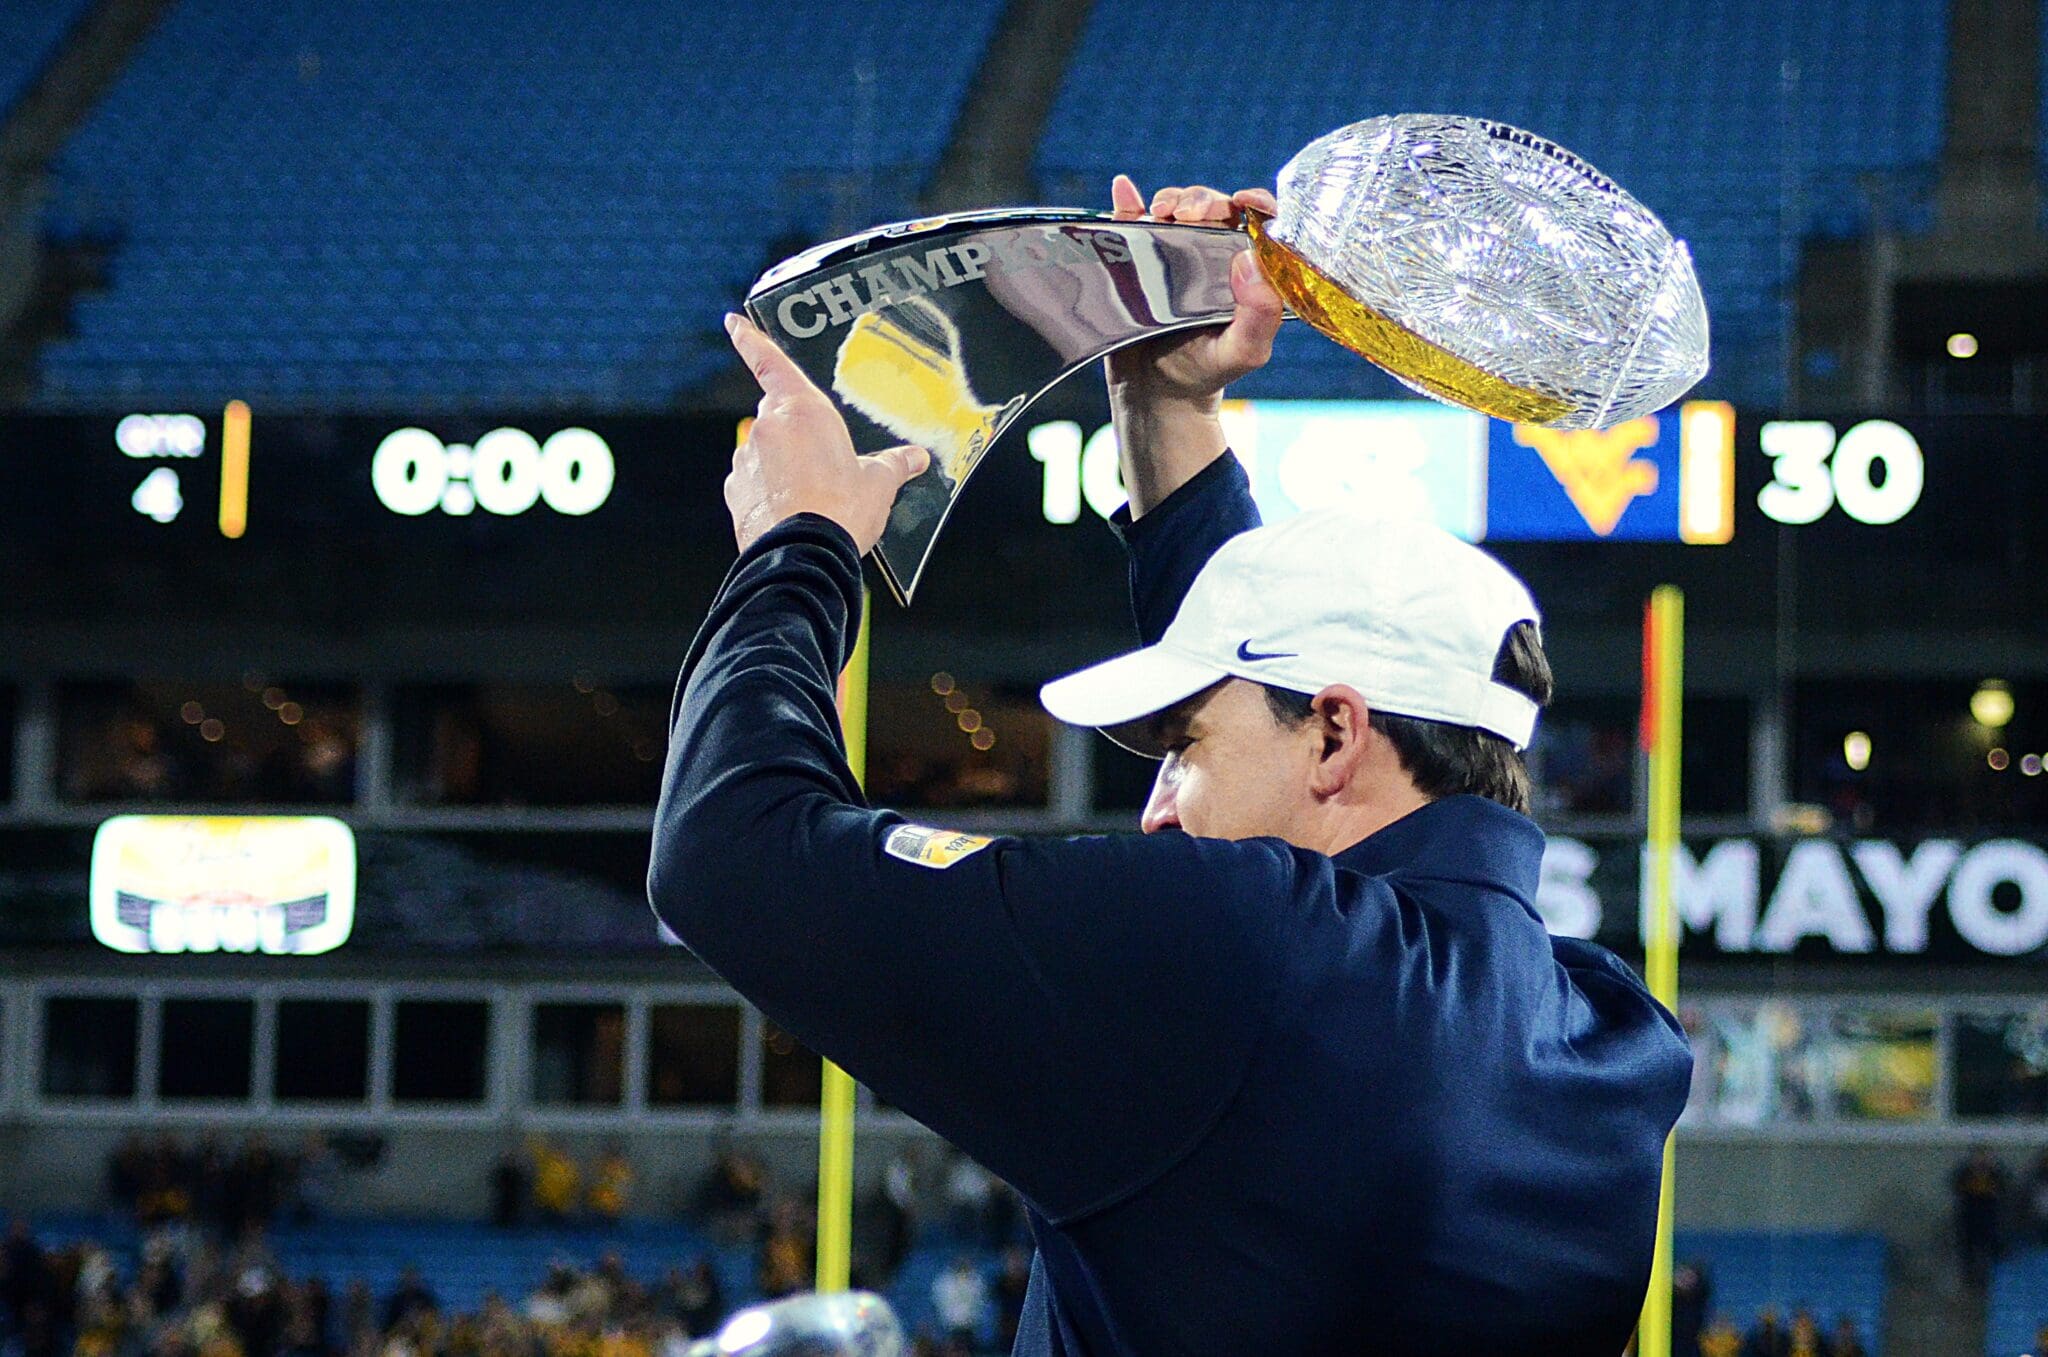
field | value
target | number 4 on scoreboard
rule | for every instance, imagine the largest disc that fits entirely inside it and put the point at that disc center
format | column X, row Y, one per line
column 158, row 497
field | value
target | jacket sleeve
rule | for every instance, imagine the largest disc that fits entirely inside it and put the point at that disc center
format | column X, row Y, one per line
column 1074, row 1012
column 1169, row 546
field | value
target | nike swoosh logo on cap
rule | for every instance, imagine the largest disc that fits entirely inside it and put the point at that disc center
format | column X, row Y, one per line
column 1245, row 652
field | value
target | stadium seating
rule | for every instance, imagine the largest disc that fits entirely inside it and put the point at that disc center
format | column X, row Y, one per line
column 29, row 37
column 1730, row 122
column 462, row 1261
column 370, row 205
column 385, row 205
column 465, row 1262
column 1832, row 1274
column 2018, row 1305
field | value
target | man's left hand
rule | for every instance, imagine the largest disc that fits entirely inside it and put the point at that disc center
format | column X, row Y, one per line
column 1165, row 394
column 1195, row 365
column 798, row 458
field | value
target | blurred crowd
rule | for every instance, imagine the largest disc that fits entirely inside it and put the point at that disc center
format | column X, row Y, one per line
column 191, row 1297
column 548, row 1184
column 974, row 1308
column 1699, row 1330
column 1994, row 1210
column 207, row 1282
column 161, row 1181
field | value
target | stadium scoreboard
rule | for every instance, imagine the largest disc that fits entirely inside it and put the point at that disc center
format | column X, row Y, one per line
column 144, row 477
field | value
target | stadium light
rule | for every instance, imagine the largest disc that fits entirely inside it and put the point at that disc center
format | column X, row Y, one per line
column 1962, row 346
column 1991, row 704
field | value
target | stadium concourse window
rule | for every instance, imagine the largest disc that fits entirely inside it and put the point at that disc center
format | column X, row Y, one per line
column 693, row 1055
column 1714, row 760
column 259, row 741
column 580, row 742
column 1583, row 758
column 954, row 741
column 89, row 1047
column 792, row 1075
column 1768, row 1062
column 1882, row 1064
column 323, row 1051
column 1908, row 756
column 207, row 1047
column 440, row 1051
column 1754, row 1063
column 579, row 1054
column 1998, row 1064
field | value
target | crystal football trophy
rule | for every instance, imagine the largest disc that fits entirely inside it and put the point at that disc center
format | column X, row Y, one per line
column 838, row 1324
column 1477, row 263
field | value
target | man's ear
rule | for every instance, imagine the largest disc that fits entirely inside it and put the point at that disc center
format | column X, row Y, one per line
column 1343, row 720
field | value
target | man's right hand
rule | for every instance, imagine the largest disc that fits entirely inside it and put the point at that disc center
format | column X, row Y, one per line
column 1165, row 394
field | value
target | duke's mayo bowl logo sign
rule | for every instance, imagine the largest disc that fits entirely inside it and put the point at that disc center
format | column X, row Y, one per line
column 1847, row 897
column 283, row 885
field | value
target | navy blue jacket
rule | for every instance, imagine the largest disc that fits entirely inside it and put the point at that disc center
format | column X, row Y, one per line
column 1258, row 1100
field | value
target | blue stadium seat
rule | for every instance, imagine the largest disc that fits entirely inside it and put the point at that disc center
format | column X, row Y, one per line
column 465, row 1262
column 581, row 189
column 2018, row 1305
column 30, row 36
column 1700, row 109
column 462, row 1261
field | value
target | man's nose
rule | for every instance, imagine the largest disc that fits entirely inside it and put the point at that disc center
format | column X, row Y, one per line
column 1162, row 808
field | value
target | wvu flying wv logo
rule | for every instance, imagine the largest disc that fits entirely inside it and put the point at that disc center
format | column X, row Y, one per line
column 1598, row 468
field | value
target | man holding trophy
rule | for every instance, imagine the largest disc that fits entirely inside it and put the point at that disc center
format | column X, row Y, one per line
column 1297, row 1070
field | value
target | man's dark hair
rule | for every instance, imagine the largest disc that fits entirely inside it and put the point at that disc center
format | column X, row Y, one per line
column 1446, row 760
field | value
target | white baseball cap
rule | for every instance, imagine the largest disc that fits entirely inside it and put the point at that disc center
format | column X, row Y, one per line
column 1401, row 610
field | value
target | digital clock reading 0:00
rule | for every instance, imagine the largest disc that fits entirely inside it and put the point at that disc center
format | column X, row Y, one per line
column 415, row 473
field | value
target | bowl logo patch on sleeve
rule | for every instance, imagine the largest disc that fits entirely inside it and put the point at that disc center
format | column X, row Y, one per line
column 935, row 848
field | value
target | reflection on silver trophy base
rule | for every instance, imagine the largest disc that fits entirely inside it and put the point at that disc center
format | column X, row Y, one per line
column 842, row 1324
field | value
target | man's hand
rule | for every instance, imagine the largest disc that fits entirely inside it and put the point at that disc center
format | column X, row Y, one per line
column 798, row 458
column 1164, row 394
column 1197, row 364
